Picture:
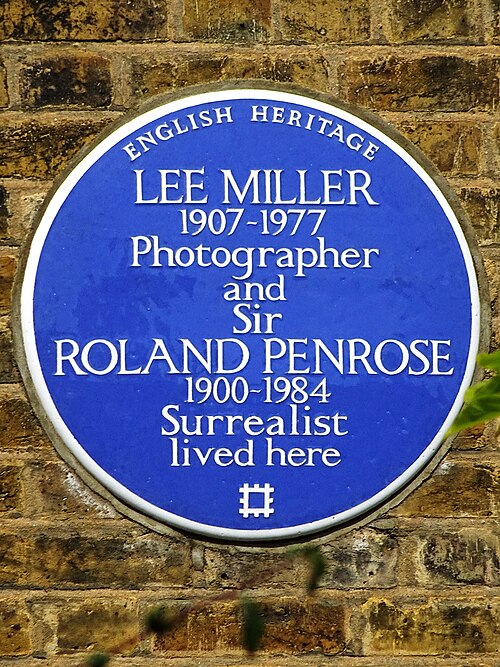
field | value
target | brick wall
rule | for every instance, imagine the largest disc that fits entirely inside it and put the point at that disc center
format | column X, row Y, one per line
column 418, row 586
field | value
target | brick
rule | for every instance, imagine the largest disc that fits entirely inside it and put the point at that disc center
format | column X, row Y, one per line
column 495, row 4
column 483, row 206
column 8, row 367
column 56, row 490
column 156, row 75
column 492, row 269
column 19, row 427
column 495, row 337
column 108, row 20
column 14, row 629
column 496, row 135
column 5, row 212
column 314, row 21
column 478, row 437
column 82, row 81
column 208, row 626
column 93, row 626
column 431, row 627
column 127, row 560
column 19, row 205
column 11, row 491
column 4, row 96
column 491, row 263
column 299, row 627
column 14, row 560
column 430, row 83
column 361, row 560
column 38, row 149
column 43, row 615
column 463, row 556
column 250, row 569
column 291, row 627
column 303, row 69
column 432, row 21
column 455, row 148
column 227, row 21
column 8, row 265
column 458, row 489
column 151, row 76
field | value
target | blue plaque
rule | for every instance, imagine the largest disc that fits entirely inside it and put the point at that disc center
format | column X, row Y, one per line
column 249, row 313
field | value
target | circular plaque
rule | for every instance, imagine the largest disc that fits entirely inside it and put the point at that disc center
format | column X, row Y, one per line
column 250, row 313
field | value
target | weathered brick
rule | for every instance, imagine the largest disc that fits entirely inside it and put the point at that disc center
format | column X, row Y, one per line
column 5, row 212
column 155, row 75
column 491, row 263
column 44, row 617
column 97, row 625
column 361, row 560
column 38, row 149
column 463, row 556
column 201, row 627
column 127, row 560
column 483, row 207
column 108, row 20
column 4, row 95
column 492, row 268
column 250, row 569
column 291, row 627
column 300, row 627
column 19, row 427
column 57, row 490
column 478, row 437
column 14, row 629
column 455, row 148
column 227, row 21
column 432, row 20
column 495, row 332
column 66, row 80
column 8, row 265
column 14, row 560
column 475, row 486
column 307, row 69
column 431, row 627
column 8, row 367
column 432, row 83
column 495, row 4
column 316, row 21
column 496, row 135
column 19, row 205
column 11, row 490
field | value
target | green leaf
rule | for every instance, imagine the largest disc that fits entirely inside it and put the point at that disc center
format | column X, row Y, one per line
column 482, row 403
column 490, row 361
column 482, row 390
column 253, row 625
column 159, row 620
column 317, row 563
column 98, row 660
